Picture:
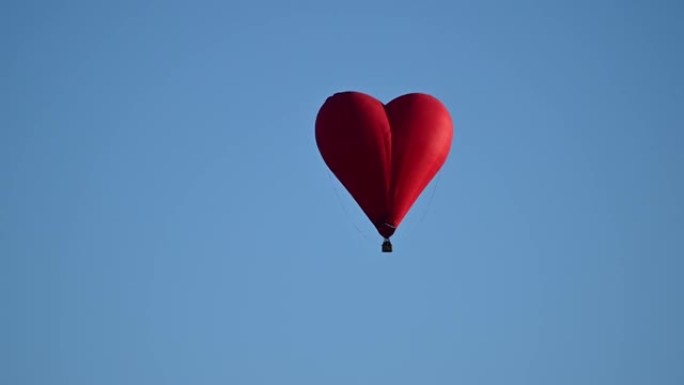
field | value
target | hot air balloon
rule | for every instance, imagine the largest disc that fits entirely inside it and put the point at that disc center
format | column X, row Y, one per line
column 385, row 155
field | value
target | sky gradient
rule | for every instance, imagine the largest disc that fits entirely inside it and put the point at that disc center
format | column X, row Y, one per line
column 166, row 218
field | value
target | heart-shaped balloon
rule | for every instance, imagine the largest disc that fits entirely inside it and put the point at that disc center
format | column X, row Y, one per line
column 384, row 155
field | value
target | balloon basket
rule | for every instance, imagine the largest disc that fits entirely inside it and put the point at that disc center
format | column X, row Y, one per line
column 387, row 246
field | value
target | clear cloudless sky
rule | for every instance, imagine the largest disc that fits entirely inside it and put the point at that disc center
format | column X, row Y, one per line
column 166, row 218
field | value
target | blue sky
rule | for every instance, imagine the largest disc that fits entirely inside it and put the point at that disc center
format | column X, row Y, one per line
column 165, row 217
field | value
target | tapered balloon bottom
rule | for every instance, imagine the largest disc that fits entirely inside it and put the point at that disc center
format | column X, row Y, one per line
column 387, row 246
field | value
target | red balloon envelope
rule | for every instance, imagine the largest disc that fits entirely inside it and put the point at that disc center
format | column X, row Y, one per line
column 384, row 155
